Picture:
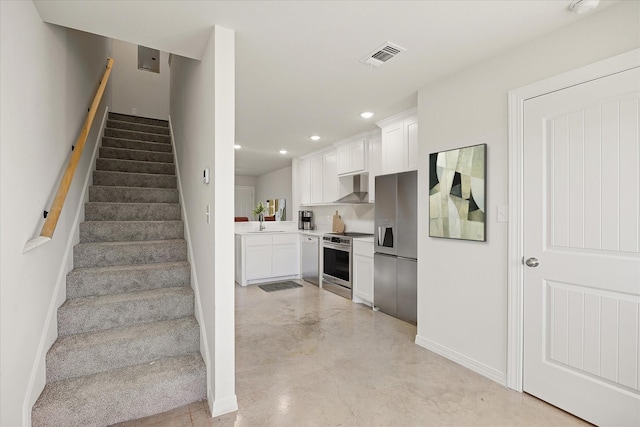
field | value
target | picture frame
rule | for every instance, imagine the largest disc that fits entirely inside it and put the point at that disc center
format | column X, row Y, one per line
column 457, row 193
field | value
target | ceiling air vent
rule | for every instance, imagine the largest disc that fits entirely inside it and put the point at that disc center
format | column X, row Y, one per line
column 382, row 54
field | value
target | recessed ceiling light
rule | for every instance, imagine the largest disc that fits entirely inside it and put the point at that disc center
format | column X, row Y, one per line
column 314, row 137
column 582, row 7
column 366, row 115
column 237, row 146
column 283, row 151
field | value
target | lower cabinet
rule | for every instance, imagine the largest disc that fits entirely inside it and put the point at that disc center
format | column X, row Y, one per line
column 266, row 257
column 363, row 272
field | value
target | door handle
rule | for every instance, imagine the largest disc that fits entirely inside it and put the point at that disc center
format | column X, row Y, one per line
column 532, row 262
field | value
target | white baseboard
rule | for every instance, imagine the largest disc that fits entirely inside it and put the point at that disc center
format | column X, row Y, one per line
column 461, row 359
column 222, row 406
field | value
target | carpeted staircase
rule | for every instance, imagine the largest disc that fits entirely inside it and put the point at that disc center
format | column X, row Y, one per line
column 128, row 344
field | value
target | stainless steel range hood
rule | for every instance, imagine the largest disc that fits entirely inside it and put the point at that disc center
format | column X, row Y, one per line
column 356, row 196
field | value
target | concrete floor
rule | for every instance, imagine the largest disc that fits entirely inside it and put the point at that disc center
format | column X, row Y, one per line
column 306, row 357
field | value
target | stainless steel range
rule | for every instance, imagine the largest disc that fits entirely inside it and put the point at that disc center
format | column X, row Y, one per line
column 337, row 262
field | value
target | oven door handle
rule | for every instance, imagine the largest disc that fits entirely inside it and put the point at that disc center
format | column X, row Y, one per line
column 336, row 247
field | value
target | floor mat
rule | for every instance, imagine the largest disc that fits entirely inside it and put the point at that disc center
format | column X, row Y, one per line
column 279, row 286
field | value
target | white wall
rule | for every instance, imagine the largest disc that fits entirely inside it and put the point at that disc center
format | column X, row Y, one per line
column 275, row 185
column 246, row 180
column 462, row 286
column 145, row 91
column 48, row 78
column 203, row 121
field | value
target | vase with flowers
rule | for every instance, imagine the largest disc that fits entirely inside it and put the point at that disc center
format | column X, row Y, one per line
column 259, row 211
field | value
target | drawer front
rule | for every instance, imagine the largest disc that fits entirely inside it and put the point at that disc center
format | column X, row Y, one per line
column 363, row 248
column 282, row 239
column 258, row 240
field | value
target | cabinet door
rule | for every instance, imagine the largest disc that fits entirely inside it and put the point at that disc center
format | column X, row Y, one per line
column 258, row 262
column 358, row 156
column 286, row 261
column 392, row 148
column 330, row 177
column 411, row 151
column 304, row 181
column 363, row 277
column 316, row 178
column 344, row 159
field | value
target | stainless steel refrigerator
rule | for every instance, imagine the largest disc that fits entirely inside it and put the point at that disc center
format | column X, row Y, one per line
column 395, row 280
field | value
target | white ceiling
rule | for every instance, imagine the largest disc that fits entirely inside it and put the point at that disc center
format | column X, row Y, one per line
column 297, row 62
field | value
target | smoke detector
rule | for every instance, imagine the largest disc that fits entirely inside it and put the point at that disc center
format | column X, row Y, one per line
column 582, row 7
column 382, row 54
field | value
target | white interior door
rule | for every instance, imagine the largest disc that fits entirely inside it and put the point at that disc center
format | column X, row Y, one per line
column 582, row 224
column 244, row 201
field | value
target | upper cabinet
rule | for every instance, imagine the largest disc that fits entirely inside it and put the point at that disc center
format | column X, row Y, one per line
column 352, row 157
column 399, row 149
column 318, row 178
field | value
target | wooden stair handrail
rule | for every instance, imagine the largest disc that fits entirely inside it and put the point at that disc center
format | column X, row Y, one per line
column 54, row 214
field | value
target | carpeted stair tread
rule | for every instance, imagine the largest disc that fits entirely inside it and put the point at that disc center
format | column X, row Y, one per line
column 122, row 394
column 106, row 211
column 95, row 313
column 131, row 144
column 139, row 127
column 129, row 179
column 139, row 155
column 103, row 254
column 118, row 194
column 92, row 352
column 138, row 136
column 115, row 231
column 138, row 119
column 94, row 281
column 135, row 166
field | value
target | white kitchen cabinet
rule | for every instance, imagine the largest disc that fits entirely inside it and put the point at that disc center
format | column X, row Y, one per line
column 399, row 143
column 363, row 271
column 285, row 255
column 267, row 257
column 352, row 157
column 329, row 177
column 304, row 180
column 316, row 178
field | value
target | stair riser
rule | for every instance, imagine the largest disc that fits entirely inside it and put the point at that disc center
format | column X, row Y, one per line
column 138, row 136
column 141, row 156
column 104, row 352
column 137, row 127
column 132, row 212
column 103, row 255
column 73, row 319
column 136, row 119
column 131, row 395
column 124, row 179
column 133, row 195
column 118, row 165
column 130, row 144
column 117, row 231
column 95, row 282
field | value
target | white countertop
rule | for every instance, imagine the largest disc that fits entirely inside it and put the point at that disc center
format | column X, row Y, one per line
column 364, row 239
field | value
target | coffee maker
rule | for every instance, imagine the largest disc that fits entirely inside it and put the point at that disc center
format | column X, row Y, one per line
column 305, row 220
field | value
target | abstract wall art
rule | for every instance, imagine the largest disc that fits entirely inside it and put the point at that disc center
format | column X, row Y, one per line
column 457, row 187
